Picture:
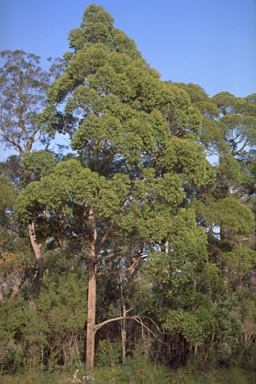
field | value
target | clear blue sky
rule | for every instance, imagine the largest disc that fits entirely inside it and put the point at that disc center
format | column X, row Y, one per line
column 207, row 42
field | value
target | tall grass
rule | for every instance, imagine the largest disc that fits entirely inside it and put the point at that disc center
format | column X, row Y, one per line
column 139, row 372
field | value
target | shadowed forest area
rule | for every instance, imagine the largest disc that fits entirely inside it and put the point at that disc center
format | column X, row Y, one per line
column 128, row 255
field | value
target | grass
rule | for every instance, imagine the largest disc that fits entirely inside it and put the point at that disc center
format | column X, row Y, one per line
column 139, row 374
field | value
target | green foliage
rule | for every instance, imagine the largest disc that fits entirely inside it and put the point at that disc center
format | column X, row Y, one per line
column 155, row 374
column 12, row 321
column 240, row 261
column 188, row 325
column 62, row 303
column 233, row 217
column 23, row 89
column 136, row 370
column 38, row 164
column 107, row 354
column 49, row 328
column 8, row 194
column 228, row 324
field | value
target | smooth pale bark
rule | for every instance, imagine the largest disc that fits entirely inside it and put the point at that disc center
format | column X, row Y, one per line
column 123, row 335
column 90, row 335
column 91, row 305
column 123, row 323
column 38, row 254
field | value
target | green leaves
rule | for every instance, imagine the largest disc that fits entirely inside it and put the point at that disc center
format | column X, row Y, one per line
column 62, row 303
column 38, row 164
column 7, row 194
column 184, row 157
column 23, row 89
column 234, row 218
column 56, row 197
column 190, row 243
column 194, row 327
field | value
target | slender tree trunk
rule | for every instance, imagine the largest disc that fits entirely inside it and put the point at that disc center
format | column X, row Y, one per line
column 91, row 314
column 90, row 336
column 37, row 251
column 123, row 336
column 123, row 323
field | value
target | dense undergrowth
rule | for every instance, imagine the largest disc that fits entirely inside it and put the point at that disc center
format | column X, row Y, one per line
column 137, row 371
column 154, row 375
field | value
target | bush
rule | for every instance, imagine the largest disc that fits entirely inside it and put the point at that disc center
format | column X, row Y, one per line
column 107, row 354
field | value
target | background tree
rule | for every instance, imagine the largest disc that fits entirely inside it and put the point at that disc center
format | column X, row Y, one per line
column 23, row 90
column 227, row 209
column 15, row 256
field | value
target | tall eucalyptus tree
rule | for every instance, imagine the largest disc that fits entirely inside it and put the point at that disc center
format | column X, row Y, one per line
column 136, row 139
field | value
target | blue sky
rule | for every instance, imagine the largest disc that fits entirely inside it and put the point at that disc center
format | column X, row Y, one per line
column 211, row 43
column 207, row 42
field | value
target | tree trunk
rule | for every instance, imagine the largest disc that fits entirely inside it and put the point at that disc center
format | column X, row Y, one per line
column 91, row 304
column 90, row 336
column 123, row 323
column 37, row 251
